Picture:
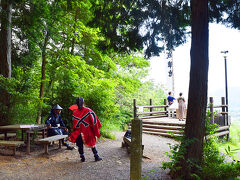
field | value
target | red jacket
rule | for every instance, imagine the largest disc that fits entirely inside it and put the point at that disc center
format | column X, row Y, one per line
column 86, row 123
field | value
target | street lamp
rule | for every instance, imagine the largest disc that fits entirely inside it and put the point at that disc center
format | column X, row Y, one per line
column 226, row 88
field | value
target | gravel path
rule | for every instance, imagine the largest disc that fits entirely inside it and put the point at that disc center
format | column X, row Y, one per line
column 65, row 164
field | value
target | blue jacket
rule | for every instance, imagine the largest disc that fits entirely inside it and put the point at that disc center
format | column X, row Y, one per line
column 170, row 99
column 54, row 120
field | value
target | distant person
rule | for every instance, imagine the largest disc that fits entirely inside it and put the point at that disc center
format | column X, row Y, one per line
column 86, row 127
column 170, row 98
column 56, row 126
column 181, row 107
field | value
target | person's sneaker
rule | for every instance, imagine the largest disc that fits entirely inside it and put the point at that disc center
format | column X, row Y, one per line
column 97, row 158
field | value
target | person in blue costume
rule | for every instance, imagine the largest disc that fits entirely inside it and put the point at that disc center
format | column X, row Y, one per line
column 170, row 98
column 56, row 125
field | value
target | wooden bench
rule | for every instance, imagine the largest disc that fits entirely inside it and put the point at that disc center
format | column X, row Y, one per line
column 9, row 135
column 127, row 143
column 12, row 144
column 47, row 141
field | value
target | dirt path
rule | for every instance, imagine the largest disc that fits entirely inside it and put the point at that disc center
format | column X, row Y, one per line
column 65, row 164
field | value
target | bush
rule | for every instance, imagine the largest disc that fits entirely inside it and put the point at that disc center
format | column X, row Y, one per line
column 214, row 166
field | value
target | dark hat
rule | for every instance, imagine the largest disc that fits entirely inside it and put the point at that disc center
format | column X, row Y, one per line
column 80, row 102
column 57, row 107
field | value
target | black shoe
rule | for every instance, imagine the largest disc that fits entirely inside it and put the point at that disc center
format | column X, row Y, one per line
column 97, row 158
column 70, row 148
column 82, row 158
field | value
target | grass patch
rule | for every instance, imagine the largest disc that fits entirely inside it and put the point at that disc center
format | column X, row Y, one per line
column 232, row 147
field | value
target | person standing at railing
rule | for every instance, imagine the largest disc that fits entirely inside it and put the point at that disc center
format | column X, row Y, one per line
column 170, row 98
column 181, row 107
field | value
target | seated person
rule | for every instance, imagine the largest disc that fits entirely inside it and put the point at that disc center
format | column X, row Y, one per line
column 56, row 126
column 170, row 98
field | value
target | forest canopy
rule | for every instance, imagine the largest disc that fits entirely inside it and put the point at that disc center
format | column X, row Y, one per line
column 56, row 56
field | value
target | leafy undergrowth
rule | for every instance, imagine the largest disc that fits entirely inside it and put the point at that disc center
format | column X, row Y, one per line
column 232, row 147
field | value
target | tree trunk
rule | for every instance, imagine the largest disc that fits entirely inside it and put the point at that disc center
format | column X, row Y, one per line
column 5, row 58
column 197, row 97
column 74, row 32
column 43, row 78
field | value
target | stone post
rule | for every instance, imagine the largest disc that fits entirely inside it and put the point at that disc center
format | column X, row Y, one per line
column 136, row 150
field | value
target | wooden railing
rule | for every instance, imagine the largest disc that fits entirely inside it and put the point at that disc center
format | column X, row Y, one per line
column 156, row 111
column 224, row 112
column 221, row 118
column 138, row 111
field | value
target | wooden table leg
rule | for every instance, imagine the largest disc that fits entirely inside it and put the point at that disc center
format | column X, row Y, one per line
column 60, row 144
column 22, row 135
column 46, row 148
column 28, row 142
column 43, row 133
column 14, row 151
column 5, row 135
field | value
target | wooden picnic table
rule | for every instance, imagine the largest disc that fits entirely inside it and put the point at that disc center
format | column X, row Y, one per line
column 26, row 129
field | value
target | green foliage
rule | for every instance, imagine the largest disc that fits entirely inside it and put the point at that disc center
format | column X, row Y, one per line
column 210, row 128
column 231, row 147
column 23, row 103
column 62, row 33
column 214, row 165
column 176, row 154
column 131, row 25
column 106, row 131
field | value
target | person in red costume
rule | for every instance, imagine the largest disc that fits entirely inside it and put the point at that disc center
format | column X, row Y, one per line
column 86, row 127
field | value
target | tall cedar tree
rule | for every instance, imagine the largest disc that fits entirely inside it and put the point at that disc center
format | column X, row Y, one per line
column 5, row 57
column 197, row 96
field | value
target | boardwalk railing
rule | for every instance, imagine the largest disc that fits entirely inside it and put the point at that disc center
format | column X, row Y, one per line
column 139, row 110
column 219, row 115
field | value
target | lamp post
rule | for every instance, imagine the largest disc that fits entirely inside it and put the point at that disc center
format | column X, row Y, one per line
column 226, row 88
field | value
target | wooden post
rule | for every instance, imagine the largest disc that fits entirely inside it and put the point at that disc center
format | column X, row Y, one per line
column 22, row 135
column 43, row 133
column 223, row 110
column 134, row 108
column 14, row 151
column 60, row 144
column 151, row 109
column 28, row 142
column 211, row 109
column 136, row 150
column 5, row 135
column 225, row 116
column 165, row 103
column 46, row 148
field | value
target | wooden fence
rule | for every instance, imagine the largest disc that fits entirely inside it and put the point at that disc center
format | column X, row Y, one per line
column 220, row 118
column 151, row 114
column 218, row 113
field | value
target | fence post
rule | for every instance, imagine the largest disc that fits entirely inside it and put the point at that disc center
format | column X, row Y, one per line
column 223, row 110
column 134, row 108
column 165, row 108
column 211, row 109
column 151, row 109
column 136, row 150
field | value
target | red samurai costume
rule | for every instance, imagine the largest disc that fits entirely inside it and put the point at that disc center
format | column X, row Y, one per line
column 86, row 127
